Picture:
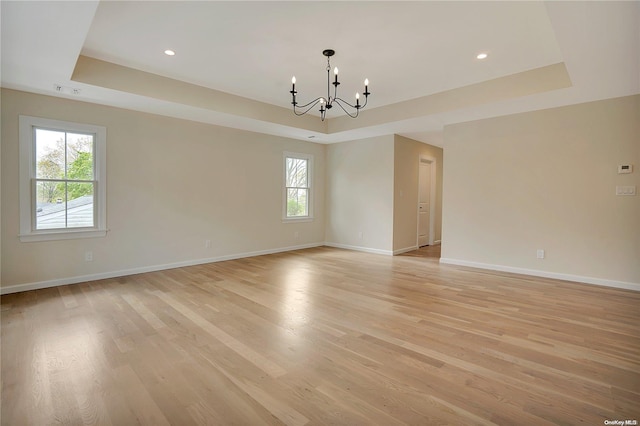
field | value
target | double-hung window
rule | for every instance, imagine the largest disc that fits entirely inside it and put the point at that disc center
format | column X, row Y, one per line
column 62, row 180
column 298, row 170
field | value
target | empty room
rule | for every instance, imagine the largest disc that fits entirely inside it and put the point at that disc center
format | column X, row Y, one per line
column 320, row 213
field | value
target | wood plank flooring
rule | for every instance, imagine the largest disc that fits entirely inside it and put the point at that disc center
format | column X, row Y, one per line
column 321, row 336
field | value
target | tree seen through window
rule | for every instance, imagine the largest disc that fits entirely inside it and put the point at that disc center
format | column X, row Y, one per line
column 65, row 179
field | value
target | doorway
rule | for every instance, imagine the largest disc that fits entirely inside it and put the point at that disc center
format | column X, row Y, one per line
column 426, row 201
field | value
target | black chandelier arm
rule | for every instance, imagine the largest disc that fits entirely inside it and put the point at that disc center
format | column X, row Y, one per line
column 339, row 102
column 354, row 106
column 312, row 103
column 316, row 100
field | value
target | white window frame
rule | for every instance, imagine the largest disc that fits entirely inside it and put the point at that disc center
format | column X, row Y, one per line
column 28, row 233
column 310, row 196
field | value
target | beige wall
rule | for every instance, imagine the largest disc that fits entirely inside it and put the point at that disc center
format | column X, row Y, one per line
column 539, row 180
column 546, row 180
column 407, row 153
column 360, row 194
column 172, row 184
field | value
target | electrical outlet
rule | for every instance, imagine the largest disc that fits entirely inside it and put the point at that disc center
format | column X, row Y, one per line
column 88, row 256
column 207, row 243
column 296, row 235
column 540, row 254
column 360, row 235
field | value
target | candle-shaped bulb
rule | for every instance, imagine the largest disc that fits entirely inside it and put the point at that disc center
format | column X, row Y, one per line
column 293, row 80
column 366, row 82
column 357, row 96
column 322, row 101
column 335, row 70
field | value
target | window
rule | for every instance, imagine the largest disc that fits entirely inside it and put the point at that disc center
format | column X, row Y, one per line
column 297, row 186
column 62, row 180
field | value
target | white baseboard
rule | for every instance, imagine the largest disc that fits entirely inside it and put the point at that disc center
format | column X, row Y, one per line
column 404, row 250
column 544, row 274
column 152, row 268
column 359, row 248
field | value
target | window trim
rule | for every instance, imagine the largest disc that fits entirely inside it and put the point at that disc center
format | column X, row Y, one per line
column 300, row 156
column 28, row 233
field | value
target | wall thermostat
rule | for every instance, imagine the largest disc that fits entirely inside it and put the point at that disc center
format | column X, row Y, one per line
column 625, row 168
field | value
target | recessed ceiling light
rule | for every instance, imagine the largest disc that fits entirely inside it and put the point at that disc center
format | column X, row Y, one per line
column 169, row 52
column 482, row 55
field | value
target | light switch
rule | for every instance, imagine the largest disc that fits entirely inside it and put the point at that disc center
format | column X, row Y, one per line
column 626, row 190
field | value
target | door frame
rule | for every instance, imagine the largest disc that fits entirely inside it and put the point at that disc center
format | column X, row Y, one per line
column 432, row 199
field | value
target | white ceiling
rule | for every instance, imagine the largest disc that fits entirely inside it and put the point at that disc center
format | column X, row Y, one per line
column 251, row 49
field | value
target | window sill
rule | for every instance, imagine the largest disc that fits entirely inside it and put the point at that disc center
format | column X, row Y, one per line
column 62, row 235
column 297, row 219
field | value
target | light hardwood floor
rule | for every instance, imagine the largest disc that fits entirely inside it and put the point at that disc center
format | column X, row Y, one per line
column 321, row 336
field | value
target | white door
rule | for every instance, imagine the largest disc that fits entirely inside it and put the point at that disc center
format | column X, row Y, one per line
column 424, row 195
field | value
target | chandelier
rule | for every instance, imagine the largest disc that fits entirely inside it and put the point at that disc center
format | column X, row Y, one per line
column 326, row 103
